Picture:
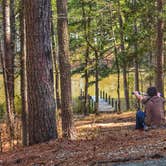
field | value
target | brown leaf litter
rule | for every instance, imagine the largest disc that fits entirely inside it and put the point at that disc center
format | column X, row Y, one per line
column 107, row 137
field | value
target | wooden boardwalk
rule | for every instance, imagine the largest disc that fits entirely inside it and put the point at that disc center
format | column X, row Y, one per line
column 104, row 107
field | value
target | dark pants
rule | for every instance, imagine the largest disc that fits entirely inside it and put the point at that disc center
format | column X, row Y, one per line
column 140, row 117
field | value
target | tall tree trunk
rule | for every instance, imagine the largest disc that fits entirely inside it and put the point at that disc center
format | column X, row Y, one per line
column 65, row 68
column 8, row 61
column 117, row 65
column 86, row 26
column 118, row 77
column 136, row 62
column 122, row 46
column 40, row 83
column 96, row 83
column 57, row 90
column 125, row 84
column 24, row 114
column 164, row 62
column 12, row 27
column 141, row 82
column 55, row 57
column 136, row 74
column 150, row 63
column 86, row 108
column 159, row 43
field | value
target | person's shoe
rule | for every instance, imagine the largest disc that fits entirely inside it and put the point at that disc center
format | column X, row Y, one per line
column 146, row 128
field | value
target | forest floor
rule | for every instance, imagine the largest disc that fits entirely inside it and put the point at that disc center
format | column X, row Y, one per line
column 106, row 138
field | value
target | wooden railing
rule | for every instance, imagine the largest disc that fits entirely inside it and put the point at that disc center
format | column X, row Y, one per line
column 103, row 95
column 111, row 101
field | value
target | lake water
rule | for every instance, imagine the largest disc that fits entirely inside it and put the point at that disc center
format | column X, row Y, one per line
column 108, row 84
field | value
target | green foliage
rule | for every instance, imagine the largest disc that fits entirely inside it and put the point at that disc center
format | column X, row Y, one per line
column 77, row 70
column 95, row 24
column 77, row 106
column 102, row 22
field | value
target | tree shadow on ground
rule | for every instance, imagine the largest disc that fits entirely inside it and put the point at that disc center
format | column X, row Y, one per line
column 99, row 138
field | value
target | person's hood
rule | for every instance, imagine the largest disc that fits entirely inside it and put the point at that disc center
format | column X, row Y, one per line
column 155, row 99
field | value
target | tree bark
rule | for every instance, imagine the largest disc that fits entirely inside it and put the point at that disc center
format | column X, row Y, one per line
column 57, row 91
column 159, row 51
column 86, row 107
column 86, row 26
column 56, row 66
column 24, row 114
column 122, row 46
column 40, row 84
column 136, row 62
column 117, row 65
column 12, row 27
column 8, row 66
column 65, row 68
column 150, row 63
column 96, row 83
column 118, row 76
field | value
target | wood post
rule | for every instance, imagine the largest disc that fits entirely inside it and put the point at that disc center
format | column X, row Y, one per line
column 106, row 97
column 92, row 104
column 109, row 100
column 103, row 94
column 112, row 102
column 81, row 92
column 89, row 98
column 116, row 105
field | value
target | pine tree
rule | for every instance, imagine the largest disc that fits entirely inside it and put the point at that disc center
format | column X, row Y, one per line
column 65, row 68
column 40, row 84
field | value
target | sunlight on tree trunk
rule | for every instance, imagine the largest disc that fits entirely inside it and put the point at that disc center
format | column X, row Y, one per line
column 8, row 66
